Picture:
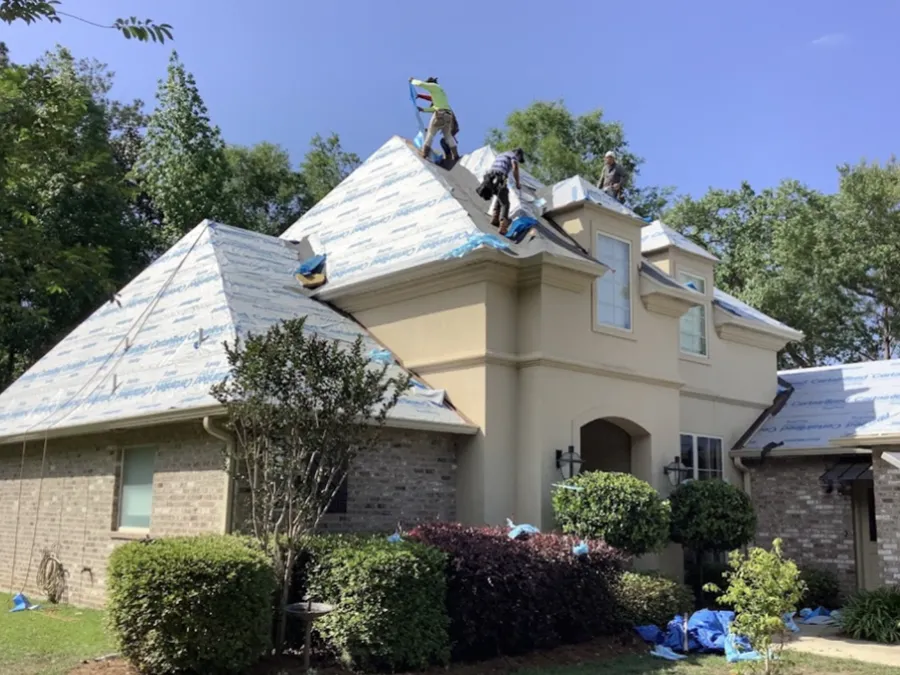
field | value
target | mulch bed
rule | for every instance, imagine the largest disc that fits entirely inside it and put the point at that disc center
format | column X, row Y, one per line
column 588, row 652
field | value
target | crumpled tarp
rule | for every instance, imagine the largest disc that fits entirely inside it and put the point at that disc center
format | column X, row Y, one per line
column 819, row 616
column 707, row 633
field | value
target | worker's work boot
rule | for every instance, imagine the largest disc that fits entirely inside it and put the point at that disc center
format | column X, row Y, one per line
column 504, row 226
column 495, row 220
column 426, row 152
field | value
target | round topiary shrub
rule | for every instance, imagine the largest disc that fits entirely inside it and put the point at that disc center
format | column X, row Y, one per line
column 649, row 599
column 190, row 604
column 711, row 515
column 624, row 511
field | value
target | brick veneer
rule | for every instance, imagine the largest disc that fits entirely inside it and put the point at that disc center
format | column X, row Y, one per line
column 887, row 517
column 817, row 528
column 409, row 478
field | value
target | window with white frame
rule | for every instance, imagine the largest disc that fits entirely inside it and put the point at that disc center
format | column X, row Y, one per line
column 614, row 287
column 703, row 455
column 692, row 335
column 136, row 491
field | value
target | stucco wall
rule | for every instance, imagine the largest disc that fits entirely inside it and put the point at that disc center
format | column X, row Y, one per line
column 817, row 528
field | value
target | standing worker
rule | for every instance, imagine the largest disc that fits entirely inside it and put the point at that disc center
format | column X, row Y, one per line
column 494, row 184
column 442, row 118
column 612, row 177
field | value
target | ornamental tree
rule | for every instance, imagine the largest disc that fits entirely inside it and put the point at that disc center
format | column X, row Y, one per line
column 711, row 515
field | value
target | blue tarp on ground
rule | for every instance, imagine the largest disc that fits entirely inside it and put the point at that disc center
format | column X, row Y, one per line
column 707, row 632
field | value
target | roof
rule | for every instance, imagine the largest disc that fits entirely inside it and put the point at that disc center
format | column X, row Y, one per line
column 658, row 236
column 160, row 347
column 744, row 311
column 397, row 211
column 577, row 190
column 834, row 402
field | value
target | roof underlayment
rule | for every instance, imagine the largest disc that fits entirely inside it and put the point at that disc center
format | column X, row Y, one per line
column 161, row 349
column 835, row 402
column 658, row 236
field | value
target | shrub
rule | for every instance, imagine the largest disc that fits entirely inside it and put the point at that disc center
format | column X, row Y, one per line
column 509, row 597
column 699, row 574
column 191, row 604
column 822, row 588
column 763, row 586
column 873, row 615
column 711, row 515
column 390, row 602
column 624, row 511
column 652, row 599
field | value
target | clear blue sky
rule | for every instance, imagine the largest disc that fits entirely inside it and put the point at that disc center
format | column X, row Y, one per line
column 710, row 91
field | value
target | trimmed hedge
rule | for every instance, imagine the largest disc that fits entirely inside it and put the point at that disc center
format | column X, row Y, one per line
column 190, row 604
column 652, row 599
column 510, row 597
column 390, row 601
column 624, row 511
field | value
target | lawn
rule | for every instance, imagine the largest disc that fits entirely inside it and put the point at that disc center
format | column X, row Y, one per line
column 796, row 664
column 51, row 640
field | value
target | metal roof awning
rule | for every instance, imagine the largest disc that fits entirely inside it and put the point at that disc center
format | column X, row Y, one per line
column 847, row 471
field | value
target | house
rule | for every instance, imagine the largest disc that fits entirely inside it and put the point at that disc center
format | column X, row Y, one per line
column 829, row 483
column 596, row 337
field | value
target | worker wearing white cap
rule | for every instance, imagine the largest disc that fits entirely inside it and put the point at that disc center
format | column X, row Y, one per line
column 612, row 178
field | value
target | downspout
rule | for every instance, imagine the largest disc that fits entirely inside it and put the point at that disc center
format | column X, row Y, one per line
column 225, row 437
column 744, row 470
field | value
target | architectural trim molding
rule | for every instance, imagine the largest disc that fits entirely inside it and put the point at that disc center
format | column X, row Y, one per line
column 735, row 329
column 877, row 440
column 707, row 395
column 751, row 453
column 665, row 300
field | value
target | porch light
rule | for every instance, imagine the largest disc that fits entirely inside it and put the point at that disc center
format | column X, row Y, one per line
column 677, row 472
column 568, row 462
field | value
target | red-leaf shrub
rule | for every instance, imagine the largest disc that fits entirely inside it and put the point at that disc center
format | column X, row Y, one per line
column 509, row 596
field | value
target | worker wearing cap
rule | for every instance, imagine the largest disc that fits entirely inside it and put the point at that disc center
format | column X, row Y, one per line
column 442, row 118
column 612, row 178
column 494, row 184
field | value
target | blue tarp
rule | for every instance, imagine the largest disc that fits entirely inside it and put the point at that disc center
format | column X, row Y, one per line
column 520, row 227
column 311, row 265
column 707, row 632
column 476, row 240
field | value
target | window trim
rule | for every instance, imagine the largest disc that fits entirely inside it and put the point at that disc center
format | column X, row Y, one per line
column 121, row 479
column 696, row 275
column 695, row 467
column 611, row 327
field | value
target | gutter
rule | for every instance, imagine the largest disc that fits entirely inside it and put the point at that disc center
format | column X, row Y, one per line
column 744, row 471
column 228, row 439
column 780, row 400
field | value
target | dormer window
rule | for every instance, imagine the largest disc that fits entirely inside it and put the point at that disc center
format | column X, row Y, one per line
column 692, row 334
column 614, row 287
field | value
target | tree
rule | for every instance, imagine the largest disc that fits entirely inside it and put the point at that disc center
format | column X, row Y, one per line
column 559, row 145
column 711, row 515
column 66, row 241
column 182, row 163
column 301, row 408
column 325, row 165
column 31, row 11
column 263, row 193
column 779, row 252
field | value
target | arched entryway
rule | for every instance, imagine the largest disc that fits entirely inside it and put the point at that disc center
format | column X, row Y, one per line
column 610, row 444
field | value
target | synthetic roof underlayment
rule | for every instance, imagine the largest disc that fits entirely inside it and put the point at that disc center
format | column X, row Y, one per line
column 658, row 236
column 160, row 348
column 833, row 402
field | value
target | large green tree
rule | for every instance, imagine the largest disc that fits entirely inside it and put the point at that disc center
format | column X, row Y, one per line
column 325, row 165
column 559, row 145
column 31, row 11
column 182, row 163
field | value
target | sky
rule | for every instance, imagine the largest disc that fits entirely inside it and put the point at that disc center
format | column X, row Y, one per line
column 710, row 93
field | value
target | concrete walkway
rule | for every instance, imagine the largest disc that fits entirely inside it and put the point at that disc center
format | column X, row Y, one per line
column 825, row 641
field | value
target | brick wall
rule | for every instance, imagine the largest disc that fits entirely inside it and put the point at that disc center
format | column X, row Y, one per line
column 78, row 495
column 817, row 528
column 887, row 517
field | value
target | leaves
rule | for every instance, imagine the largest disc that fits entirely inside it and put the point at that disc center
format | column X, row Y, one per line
column 325, row 165
column 31, row 11
column 711, row 515
column 559, row 145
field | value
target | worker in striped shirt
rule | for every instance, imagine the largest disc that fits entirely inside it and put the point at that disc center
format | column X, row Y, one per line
column 494, row 184
column 442, row 118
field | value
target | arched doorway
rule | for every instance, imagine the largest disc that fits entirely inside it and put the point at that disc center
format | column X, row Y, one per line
column 606, row 446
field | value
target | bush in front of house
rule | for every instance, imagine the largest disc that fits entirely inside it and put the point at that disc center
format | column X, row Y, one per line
column 389, row 599
column 697, row 574
column 873, row 615
column 618, row 508
column 509, row 596
column 822, row 588
column 648, row 598
column 711, row 515
column 191, row 604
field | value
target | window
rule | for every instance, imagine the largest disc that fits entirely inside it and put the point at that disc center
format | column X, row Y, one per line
column 614, row 287
column 702, row 454
column 136, row 496
column 693, row 323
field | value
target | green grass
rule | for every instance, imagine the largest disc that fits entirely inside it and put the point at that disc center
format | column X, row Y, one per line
column 51, row 640
column 795, row 664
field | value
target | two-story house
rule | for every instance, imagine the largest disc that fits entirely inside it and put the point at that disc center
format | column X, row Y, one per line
column 598, row 337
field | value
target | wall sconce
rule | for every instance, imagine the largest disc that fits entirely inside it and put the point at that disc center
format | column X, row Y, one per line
column 677, row 472
column 568, row 462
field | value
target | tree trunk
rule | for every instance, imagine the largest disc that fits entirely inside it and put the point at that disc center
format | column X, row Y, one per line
column 286, row 575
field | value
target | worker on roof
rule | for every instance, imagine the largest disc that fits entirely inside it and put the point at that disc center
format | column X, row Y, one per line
column 442, row 119
column 494, row 184
column 612, row 177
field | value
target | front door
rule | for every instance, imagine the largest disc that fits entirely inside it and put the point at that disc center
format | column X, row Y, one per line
column 866, row 535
